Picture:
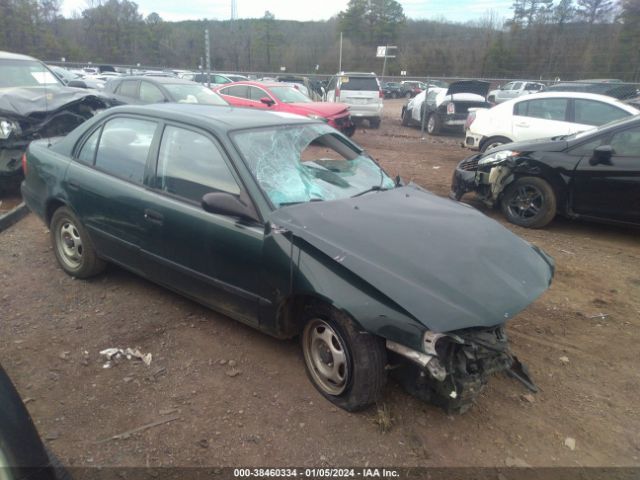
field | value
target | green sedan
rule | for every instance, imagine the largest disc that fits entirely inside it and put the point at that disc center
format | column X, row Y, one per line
column 285, row 224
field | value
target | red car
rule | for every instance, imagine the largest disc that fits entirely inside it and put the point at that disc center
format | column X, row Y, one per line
column 285, row 98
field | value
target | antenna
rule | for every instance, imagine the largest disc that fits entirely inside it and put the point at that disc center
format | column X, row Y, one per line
column 234, row 10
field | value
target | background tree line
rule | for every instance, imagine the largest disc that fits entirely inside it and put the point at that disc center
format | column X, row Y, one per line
column 544, row 39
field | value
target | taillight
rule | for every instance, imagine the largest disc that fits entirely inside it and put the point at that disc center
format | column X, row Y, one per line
column 24, row 163
column 451, row 108
column 470, row 119
column 337, row 93
column 380, row 94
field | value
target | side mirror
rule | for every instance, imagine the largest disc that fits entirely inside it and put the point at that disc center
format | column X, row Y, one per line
column 267, row 101
column 227, row 204
column 77, row 84
column 602, row 154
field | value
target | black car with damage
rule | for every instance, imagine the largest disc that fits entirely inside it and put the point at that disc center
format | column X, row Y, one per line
column 35, row 104
column 593, row 175
column 445, row 108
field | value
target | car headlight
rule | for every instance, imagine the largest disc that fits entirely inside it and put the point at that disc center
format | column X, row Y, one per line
column 313, row 116
column 497, row 157
column 7, row 127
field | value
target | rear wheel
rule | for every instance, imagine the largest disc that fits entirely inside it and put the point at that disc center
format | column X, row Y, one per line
column 72, row 246
column 374, row 122
column 346, row 366
column 493, row 142
column 407, row 95
column 529, row 202
column 433, row 124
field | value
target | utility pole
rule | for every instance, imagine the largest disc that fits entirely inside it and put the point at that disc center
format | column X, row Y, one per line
column 207, row 53
column 340, row 58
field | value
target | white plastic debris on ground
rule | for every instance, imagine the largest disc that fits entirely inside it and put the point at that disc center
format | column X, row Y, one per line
column 128, row 353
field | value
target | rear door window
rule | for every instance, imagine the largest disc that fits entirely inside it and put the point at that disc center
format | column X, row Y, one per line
column 256, row 94
column 359, row 83
column 128, row 88
column 545, row 108
column 591, row 112
column 191, row 165
column 124, row 148
column 240, row 91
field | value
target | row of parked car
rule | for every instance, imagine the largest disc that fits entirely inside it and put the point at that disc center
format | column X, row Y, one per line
column 555, row 152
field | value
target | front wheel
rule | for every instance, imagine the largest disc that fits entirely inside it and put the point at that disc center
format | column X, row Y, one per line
column 72, row 246
column 346, row 366
column 529, row 202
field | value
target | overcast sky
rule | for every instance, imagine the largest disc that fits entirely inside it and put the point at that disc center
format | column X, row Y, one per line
column 454, row 10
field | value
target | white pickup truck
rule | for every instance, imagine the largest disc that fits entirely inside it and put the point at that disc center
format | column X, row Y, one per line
column 513, row 90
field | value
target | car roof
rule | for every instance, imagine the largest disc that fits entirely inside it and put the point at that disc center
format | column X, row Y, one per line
column 218, row 118
column 14, row 56
column 253, row 83
column 583, row 95
column 153, row 79
column 357, row 74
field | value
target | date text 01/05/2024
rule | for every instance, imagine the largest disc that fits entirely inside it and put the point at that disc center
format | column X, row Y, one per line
column 315, row 472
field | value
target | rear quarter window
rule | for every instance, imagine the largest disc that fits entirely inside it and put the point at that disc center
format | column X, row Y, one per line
column 359, row 83
column 124, row 147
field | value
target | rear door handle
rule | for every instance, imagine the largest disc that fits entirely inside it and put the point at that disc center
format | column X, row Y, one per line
column 153, row 216
column 522, row 124
column 73, row 186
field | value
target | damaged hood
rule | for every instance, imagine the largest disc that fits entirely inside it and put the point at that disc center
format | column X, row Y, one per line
column 445, row 263
column 469, row 86
column 25, row 101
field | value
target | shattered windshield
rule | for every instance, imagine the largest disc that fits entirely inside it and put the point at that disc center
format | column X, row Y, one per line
column 25, row 73
column 185, row 93
column 297, row 164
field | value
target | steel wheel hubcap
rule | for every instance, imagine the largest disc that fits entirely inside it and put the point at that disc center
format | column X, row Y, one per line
column 325, row 356
column 70, row 244
column 431, row 124
column 493, row 145
column 526, row 203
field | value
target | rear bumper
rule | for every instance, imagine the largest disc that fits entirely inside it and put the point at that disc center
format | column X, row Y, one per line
column 365, row 111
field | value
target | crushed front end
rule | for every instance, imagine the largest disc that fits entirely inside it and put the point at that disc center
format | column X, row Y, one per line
column 486, row 175
column 453, row 367
column 18, row 130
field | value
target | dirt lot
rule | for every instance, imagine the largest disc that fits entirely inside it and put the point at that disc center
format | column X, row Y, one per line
column 269, row 414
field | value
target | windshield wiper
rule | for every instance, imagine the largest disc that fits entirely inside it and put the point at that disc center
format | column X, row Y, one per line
column 286, row 204
column 375, row 188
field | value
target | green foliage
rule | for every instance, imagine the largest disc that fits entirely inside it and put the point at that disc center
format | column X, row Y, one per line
column 372, row 22
column 541, row 41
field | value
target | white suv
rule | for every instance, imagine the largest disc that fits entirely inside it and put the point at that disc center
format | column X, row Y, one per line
column 361, row 91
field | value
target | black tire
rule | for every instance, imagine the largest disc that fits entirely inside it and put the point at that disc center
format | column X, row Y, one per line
column 72, row 245
column 406, row 117
column 58, row 470
column 529, row 202
column 362, row 358
column 491, row 99
column 374, row 122
column 407, row 95
column 492, row 142
column 434, row 125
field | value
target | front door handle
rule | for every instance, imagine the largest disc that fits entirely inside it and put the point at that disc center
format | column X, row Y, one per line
column 522, row 124
column 153, row 216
